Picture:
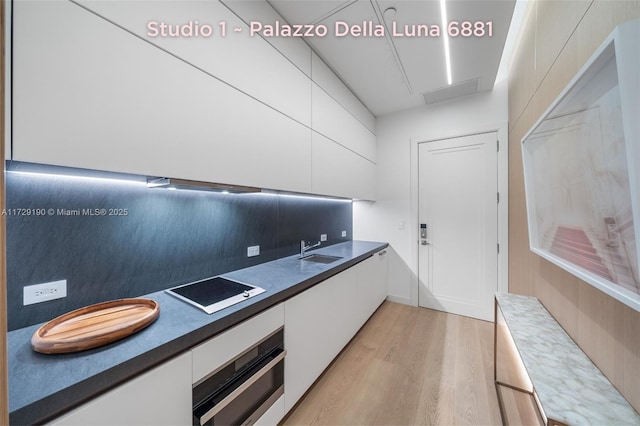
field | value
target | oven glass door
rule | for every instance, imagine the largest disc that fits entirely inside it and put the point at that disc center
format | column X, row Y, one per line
column 246, row 396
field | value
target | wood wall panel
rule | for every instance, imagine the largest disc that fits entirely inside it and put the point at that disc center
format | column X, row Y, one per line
column 560, row 73
column 521, row 70
column 555, row 22
column 603, row 16
column 521, row 280
column 599, row 328
column 603, row 327
column 558, row 291
column 4, row 403
column 516, row 134
column 629, row 357
column 520, row 273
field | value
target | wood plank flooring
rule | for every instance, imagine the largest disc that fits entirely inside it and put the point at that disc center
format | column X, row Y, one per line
column 407, row 366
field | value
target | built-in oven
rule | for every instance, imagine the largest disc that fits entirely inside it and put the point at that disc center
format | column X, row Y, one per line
column 242, row 390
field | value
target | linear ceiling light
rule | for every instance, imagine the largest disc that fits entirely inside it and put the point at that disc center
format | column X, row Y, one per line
column 445, row 32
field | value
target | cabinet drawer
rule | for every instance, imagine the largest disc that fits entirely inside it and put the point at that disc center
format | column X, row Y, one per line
column 217, row 351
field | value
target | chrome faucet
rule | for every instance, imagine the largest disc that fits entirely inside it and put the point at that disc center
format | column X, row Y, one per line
column 304, row 247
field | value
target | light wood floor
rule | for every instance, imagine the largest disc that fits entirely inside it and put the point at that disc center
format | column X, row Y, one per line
column 408, row 366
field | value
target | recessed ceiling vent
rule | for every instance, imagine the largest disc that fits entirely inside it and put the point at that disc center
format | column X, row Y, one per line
column 465, row 88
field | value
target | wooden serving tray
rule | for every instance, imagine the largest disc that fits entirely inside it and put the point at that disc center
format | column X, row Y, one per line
column 95, row 325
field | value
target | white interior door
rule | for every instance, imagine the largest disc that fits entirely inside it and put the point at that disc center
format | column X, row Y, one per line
column 458, row 259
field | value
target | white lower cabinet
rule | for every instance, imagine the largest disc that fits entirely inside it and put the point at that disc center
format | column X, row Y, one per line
column 237, row 347
column 273, row 415
column 318, row 323
column 314, row 333
column 161, row 396
column 322, row 320
column 372, row 282
column 217, row 351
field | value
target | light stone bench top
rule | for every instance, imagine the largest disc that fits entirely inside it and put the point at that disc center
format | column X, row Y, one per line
column 570, row 388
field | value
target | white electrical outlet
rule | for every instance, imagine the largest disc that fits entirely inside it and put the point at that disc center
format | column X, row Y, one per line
column 253, row 251
column 323, row 237
column 37, row 293
column 344, row 233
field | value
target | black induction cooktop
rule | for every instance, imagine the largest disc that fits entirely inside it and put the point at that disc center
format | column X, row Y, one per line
column 214, row 294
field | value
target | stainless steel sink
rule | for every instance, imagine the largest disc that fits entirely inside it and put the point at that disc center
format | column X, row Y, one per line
column 320, row 258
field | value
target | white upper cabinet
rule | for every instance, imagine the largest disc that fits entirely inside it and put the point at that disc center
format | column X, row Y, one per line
column 322, row 75
column 88, row 94
column 96, row 86
column 294, row 48
column 339, row 125
column 340, row 172
column 246, row 62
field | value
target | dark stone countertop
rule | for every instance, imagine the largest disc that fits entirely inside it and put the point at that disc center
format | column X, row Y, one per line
column 42, row 387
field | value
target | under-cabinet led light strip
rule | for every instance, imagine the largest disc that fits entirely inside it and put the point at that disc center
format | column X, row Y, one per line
column 445, row 32
column 44, row 172
column 301, row 196
column 65, row 176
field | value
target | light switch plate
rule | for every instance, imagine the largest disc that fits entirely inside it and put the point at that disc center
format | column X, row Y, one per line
column 37, row 293
column 344, row 233
column 253, row 251
column 323, row 237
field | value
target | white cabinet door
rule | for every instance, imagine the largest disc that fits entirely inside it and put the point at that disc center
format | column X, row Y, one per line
column 322, row 320
column 381, row 287
column 161, row 396
column 293, row 48
column 340, row 172
column 372, row 284
column 88, row 94
column 315, row 331
column 366, row 278
column 348, row 318
column 335, row 122
column 248, row 63
column 324, row 77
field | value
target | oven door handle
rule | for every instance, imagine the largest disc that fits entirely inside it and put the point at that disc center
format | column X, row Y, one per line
column 243, row 387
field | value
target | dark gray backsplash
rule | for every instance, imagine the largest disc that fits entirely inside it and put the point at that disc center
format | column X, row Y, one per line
column 166, row 237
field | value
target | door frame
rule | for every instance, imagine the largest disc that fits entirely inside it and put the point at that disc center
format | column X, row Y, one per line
column 503, row 207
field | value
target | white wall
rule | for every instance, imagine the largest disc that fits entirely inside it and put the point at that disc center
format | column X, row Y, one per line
column 393, row 217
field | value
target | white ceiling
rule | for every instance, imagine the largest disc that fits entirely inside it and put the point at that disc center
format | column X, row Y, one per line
column 393, row 73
